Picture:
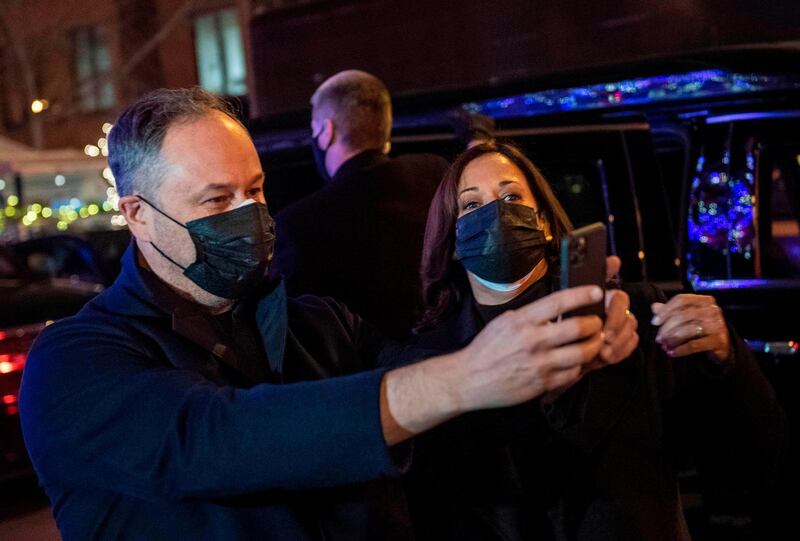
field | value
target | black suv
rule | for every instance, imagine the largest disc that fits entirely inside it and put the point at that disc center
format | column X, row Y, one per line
column 692, row 163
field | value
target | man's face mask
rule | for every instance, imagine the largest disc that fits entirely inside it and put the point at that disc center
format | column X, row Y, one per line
column 319, row 157
column 500, row 243
column 234, row 249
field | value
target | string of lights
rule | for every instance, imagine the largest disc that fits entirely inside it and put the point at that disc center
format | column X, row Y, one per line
column 60, row 213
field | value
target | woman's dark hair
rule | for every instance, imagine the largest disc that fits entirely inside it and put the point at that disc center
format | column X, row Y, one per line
column 444, row 280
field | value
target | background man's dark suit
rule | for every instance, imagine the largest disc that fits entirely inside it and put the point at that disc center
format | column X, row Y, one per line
column 359, row 238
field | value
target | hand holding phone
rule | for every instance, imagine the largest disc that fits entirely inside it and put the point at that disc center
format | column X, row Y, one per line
column 583, row 262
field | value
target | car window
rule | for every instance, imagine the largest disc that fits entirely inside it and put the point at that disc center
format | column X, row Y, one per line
column 744, row 204
column 611, row 175
column 594, row 170
column 59, row 256
column 781, row 253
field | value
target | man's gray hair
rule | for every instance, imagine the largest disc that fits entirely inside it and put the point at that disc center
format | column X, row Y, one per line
column 360, row 107
column 134, row 143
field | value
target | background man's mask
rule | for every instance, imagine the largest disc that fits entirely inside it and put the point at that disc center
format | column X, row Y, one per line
column 319, row 157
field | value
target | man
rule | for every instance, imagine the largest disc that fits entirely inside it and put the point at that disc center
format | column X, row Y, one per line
column 359, row 238
column 193, row 400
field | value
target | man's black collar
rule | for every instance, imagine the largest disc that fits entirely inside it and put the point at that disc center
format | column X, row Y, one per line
column 362, row 160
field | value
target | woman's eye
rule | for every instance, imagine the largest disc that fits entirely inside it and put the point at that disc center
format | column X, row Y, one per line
column 511, row 197
column 469, row 205
column 253, row 192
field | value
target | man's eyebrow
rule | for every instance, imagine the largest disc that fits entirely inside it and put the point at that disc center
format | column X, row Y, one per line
column 223, row 185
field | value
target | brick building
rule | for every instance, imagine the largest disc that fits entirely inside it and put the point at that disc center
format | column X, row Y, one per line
column 88, row 59
column 81, row 62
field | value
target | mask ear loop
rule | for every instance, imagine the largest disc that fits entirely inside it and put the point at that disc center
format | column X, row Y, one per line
column 140, row 196
column 153, row 244
column 165, row 256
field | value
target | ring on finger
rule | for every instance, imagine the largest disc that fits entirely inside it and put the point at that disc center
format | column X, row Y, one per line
column 698, row 330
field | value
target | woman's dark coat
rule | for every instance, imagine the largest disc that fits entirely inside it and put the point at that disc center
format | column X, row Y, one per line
column 602, row 462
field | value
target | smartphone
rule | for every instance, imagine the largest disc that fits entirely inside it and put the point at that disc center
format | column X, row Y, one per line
column 583, row 262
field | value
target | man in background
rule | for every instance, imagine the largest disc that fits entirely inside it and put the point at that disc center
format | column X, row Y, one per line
column 359, row 238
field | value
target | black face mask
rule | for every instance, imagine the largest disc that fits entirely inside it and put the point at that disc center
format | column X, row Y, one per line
column 319, row 158
column 234, row 249
column 500, row 242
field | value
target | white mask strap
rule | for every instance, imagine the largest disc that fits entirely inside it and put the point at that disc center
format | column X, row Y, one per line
column 504, row 288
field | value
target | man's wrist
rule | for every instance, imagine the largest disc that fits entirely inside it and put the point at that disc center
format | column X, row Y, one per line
column 451, row 375
column 418, row 397
column 393, row 433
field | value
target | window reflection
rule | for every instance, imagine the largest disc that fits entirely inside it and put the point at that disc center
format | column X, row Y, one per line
column 220, row 53
column 92, row 64
column 744, row 208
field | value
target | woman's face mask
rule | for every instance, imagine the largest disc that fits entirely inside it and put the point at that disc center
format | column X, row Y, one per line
column 500, row 243
column 500, row 237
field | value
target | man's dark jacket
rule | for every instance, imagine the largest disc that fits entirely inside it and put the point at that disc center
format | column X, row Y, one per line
column 359, row 238
column 136, row 431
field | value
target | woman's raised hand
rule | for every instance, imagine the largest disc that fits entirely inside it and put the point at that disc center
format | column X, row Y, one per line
column 692, row 324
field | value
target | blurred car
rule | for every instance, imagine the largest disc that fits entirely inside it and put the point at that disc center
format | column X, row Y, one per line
column 693, row 164
column 40, row 281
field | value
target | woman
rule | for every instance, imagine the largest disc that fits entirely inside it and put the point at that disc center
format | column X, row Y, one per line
column 591, row 461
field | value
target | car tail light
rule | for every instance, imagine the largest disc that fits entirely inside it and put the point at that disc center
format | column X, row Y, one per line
column 12, row 363
column 11, row 366
column 10, row 403
column 14, row 345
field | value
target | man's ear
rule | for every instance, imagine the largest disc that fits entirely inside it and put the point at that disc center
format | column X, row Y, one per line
column 138, row 216
column 326, row 135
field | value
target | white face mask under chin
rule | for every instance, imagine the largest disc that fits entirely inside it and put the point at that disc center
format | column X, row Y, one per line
column 503, row 288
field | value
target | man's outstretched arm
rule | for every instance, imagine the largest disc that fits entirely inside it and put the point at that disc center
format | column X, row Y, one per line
column 103, row 411
column 517, row 357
